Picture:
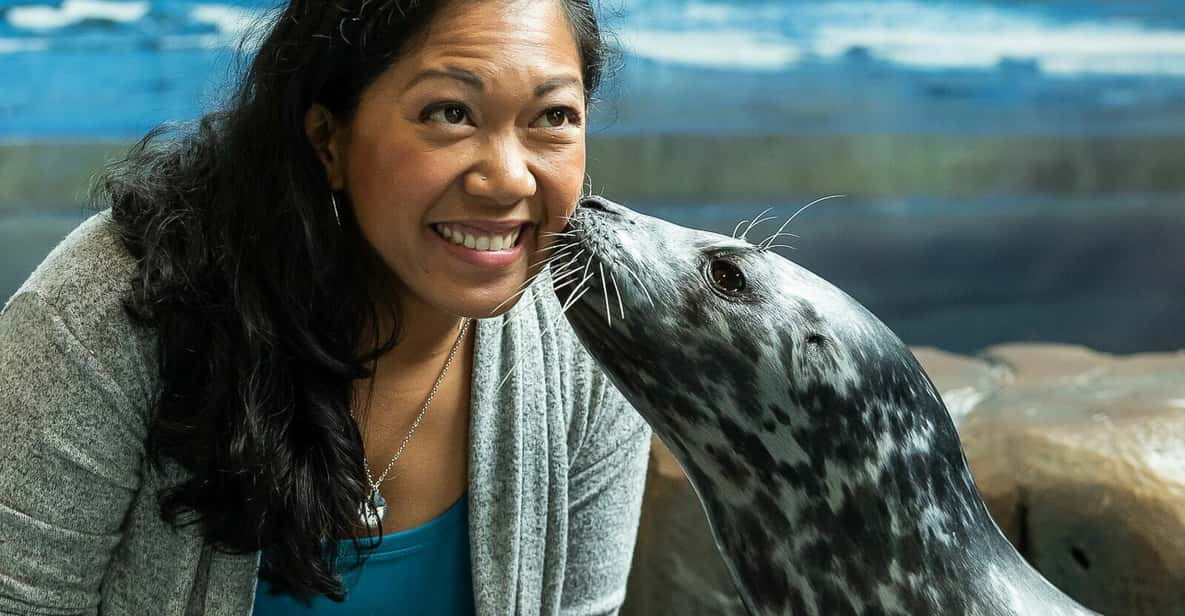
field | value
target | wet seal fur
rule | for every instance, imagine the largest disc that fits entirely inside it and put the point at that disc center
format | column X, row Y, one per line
column 827, row 464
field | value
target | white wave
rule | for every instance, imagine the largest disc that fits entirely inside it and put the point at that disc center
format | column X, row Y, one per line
column 231, row 20
column 1056, row 50
column 713, row 48
column 930, row 35
column 45, row 17
column 17, row 45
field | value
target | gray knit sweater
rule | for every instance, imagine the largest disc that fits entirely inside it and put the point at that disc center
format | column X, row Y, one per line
column 557, row 460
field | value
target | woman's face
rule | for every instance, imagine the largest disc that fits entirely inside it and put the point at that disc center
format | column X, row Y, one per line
column 477, row 133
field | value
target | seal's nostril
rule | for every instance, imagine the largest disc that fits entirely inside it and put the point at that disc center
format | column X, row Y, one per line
column 601, row 204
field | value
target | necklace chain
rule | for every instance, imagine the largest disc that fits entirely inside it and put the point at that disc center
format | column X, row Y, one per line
column 374, row 485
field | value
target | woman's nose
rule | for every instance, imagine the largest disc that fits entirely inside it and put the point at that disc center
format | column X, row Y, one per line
column 503, row 175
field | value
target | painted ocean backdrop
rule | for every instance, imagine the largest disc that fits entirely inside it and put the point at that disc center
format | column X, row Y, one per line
column 1012, row 170
column 116, row 68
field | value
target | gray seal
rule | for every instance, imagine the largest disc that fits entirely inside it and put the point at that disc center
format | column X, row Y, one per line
column 828, row 466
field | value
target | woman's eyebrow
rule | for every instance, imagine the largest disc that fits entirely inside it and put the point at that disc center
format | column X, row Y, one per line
column 473, row 81
column 466, row 77
column 555, row 83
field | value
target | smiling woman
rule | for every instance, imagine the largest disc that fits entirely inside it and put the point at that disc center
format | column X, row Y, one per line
column 211, row 388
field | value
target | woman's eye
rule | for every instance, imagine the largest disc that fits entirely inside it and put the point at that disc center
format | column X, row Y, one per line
column 557, row 117
column 448, row 114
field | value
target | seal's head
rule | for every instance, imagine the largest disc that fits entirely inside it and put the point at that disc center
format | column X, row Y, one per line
column 828, row 466
column 712, row 336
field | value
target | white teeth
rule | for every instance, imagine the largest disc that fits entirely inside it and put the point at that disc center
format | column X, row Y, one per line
column 480, row 242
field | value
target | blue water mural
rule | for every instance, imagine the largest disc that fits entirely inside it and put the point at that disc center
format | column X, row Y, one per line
column 100, row 68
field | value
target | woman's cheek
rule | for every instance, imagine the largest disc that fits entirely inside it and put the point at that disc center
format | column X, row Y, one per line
column 568, row 173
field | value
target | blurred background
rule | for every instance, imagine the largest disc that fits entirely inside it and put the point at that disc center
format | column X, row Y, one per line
column 1013, row 171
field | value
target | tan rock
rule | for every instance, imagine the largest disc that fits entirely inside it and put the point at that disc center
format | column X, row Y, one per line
column 1080, row 456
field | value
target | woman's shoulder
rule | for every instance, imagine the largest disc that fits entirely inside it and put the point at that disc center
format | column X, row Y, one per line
column 79, row 291
column 86, row 273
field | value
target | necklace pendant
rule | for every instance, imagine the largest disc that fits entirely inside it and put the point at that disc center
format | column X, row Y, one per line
column 368, row 517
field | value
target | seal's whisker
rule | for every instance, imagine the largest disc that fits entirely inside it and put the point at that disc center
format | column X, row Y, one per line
column 640, row 285
column 555, row 280
column 553, row 258
column 738, row 227
column 576, row 295
column 566, row 283
column 571, row 259
column 804, row 208
column 572, row 301
column 518, row 293
column 620, row 307
column 589, row 264
column 551, row 326
column 771, row 246
column 756, row 221
column 775, row 236
column 553, row 246
column 548, row 327
column 508, row 321
column 558, row 256
column 512, row 370
column 562, row 247
column 572, row 280
column 534, row 300
column 565, row 272
column 605, row 292
column 582, row 251
column 526, row 284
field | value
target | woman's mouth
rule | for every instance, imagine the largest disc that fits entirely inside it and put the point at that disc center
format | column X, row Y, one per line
column 476, row 239
column 482, row 248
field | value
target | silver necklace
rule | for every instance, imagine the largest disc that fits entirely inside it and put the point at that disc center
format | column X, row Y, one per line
column 371, row 517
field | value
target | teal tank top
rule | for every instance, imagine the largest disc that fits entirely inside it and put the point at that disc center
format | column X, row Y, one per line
column 423, row 570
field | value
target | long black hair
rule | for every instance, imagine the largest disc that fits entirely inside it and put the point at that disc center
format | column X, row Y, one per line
column 259, row 300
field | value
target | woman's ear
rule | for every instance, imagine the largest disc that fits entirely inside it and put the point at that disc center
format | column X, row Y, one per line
column 328, row 140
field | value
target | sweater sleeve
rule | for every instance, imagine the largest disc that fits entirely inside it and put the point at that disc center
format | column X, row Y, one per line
column 71, row 443
column 607, row 477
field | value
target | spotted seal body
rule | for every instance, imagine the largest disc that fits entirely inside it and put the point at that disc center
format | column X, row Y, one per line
column 829, row 469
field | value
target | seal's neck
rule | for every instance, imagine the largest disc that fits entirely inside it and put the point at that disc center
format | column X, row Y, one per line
column 887, row 517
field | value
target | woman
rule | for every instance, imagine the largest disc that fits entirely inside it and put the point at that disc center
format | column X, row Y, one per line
column 291, row 337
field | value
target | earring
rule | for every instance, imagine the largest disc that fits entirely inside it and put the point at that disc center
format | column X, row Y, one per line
column 336, row 216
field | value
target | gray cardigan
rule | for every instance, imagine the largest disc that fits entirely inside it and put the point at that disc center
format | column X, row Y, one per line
column 557, row 460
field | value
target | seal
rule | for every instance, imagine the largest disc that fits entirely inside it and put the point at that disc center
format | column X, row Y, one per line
column 830, row 470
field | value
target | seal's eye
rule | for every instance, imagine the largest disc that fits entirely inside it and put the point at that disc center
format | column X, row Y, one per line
column 727, row 276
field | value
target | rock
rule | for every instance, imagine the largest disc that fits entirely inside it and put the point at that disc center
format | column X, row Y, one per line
column 1080, row 456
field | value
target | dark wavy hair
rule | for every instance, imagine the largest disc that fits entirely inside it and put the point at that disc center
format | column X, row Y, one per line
column 259, row 300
